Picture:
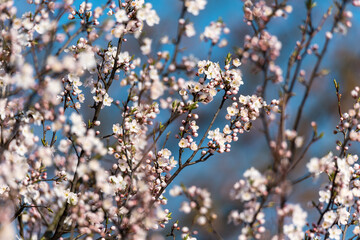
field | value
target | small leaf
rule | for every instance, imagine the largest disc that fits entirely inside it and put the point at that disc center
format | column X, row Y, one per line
column 44, row 142
column 336, row 84
column 324, row 72
column 310, row 4
column 228, row 59
column 193, row 106
column 49, row 209
column 174, row 104
column 183, row 187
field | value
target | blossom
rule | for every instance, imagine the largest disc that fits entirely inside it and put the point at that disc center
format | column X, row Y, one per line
column 183, row 143
column 214, row 134
column 212, row 71
column 146, row 48
column 329, row 218
column 236, row 62
column 164, row 155
column 316, row 165
column 298, row 216
column 335, row 232
column 134, row 127
column 213, row 32
column 356, row 230
column 87, row 60
column 232, row 111
column 3, row 188
column 324, row 196
column 71, row 197
column 25, row 78
column 43, row 26
column 185, row 207
column 343, row 215
column 117, row 182
column 193, row 146
column 121, row 16
column 292, row 232
column 118, row 30
column 148, row 14
column 3, row 108
column 227, row 129
column 194, row 6
column 64, row 145
column 157, row 88
column 201, row 220
column 78, row 127
column 98, row 98
column 190, row 30
column 137, row 3
column 107, row 100
column 197, row 87
column 175, row 191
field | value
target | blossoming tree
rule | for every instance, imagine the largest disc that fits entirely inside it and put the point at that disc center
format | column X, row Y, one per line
column 65, row 175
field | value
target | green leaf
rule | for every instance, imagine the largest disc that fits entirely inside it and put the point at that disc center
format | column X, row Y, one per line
column 49, row 209
column 321, row 135
column 193, row 106
column 310, row 4
column 161, row 126
column 336, row 84
column 44, row 142
column 175, row 104
column 183, row 187
column 228, row 59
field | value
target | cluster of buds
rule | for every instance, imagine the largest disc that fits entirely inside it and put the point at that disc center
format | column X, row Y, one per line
column 199, row 202
column 263, row 49
column 344, row 22
column 261, row 12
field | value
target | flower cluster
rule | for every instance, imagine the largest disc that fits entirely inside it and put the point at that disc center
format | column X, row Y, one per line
column 200, row 203
column 261, row 12
column 213, row 33
column 298, row 216
column 259, row 48
column 339, row 198
column 247, row 191
column 194, row 6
